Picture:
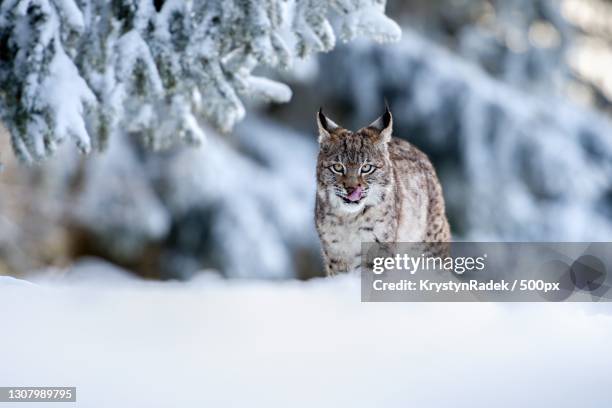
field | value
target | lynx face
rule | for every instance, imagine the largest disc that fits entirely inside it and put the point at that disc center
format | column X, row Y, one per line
column 354, row 167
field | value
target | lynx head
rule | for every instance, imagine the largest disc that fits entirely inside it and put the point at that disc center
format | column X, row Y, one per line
column 354, row 169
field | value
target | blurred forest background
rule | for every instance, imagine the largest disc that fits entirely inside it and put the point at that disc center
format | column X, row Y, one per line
column 511, row 99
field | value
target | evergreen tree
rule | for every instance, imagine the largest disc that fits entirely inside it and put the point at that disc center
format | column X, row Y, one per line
column 86, row 69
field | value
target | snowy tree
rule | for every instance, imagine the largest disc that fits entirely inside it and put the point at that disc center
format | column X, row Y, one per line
column 86, row 69
column 515, row 164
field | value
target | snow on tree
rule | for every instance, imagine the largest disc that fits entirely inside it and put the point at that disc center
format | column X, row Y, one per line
column 516, row 165
column 86, row 69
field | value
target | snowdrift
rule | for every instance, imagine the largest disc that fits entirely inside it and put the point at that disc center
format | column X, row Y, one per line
column 210, row 342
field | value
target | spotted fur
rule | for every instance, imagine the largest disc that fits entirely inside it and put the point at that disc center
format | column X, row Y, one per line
column 401, row 200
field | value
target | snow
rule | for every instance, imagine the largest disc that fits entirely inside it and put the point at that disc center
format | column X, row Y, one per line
column 269, row 90
column 54, row 96
column 67, row 95
column 9, row 281
column 69, row 10
column 371, row 22
column 133, row 49
column 211, row 342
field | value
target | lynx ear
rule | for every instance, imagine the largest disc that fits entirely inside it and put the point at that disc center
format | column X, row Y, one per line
column 326, row 125
column 384, row 125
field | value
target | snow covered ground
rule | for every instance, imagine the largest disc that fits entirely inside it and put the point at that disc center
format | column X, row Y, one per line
column 215, row 343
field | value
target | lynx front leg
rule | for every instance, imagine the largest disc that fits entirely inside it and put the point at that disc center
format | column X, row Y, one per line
column 335, row 266
column 338, row 264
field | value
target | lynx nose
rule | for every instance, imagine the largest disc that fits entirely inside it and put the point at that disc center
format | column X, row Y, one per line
column 351, row 189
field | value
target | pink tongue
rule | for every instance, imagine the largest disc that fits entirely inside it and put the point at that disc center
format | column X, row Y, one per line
column 355, row 195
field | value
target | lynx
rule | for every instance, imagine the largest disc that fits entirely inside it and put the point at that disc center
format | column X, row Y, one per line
column 372, row 187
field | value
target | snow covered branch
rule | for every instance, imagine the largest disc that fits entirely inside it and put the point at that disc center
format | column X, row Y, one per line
column 86, row 69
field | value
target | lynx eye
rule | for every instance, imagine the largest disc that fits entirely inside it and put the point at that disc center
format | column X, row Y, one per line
column 367, row 169
column 338, row 168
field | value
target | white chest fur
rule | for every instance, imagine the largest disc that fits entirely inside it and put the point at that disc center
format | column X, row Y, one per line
column 342, row 237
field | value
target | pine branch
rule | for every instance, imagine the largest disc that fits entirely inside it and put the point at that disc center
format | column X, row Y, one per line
column 87, row 69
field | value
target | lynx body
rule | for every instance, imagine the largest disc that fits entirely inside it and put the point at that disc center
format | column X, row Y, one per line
column 372, row 187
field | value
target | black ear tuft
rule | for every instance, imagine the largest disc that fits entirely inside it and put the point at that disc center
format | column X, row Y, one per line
column 322, row 119
column 384, row 124
column 387, row 118
column 326, row 125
